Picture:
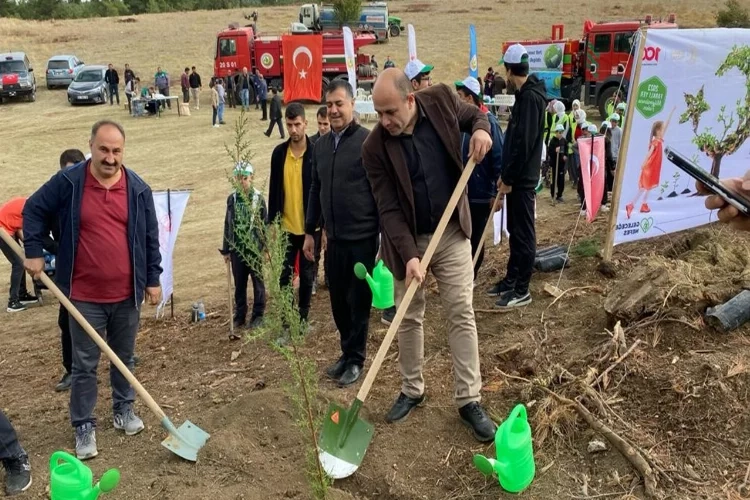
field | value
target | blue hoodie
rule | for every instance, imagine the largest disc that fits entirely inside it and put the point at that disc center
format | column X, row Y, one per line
column 483, row 181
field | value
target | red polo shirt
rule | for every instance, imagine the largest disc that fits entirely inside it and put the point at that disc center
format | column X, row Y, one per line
column 102, row 270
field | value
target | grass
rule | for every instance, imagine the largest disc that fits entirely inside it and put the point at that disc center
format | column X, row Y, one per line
column 186, row 152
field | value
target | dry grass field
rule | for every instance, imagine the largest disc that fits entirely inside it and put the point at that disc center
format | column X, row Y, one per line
column 254, row 452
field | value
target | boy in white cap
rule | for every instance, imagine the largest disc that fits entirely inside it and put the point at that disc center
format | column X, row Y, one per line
column 556, row 158
column 614, row 124
column 522, row 158
column 246, row 210
column 621, row 109
column 419, row 74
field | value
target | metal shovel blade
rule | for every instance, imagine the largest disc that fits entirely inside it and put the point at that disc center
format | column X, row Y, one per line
column 186, row 441
column 344, row 440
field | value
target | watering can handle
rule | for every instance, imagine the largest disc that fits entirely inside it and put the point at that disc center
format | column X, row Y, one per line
column 409, row 295
column 518, row 412
column 103, row 346
column 57, row 456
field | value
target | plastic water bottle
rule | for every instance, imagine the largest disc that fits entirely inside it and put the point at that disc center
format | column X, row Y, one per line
column 195, row 317
column 201, row 311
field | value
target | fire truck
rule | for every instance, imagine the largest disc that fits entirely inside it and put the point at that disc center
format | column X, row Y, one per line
column 595, row 68
column 241, row 47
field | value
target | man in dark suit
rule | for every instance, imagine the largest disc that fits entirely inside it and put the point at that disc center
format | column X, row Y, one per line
column 413, row 161
column 275, row 114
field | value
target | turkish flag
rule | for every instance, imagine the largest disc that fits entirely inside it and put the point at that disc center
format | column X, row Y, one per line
column 591, row 151
column 303, row 67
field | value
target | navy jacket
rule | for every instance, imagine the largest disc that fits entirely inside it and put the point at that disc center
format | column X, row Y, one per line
column 62, row 195
column 483, row 180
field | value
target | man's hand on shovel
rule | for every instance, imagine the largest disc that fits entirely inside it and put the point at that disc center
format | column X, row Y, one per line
column 413, row 272
column 479, row 145
column 34, row 267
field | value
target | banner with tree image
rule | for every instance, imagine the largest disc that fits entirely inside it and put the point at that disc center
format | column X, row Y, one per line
column 693, row 95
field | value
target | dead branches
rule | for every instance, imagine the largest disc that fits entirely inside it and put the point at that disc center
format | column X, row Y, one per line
column 602, row 378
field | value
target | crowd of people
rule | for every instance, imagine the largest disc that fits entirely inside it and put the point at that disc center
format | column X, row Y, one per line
column 352, row 194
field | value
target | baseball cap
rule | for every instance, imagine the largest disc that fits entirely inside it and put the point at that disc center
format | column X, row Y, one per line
column 614, row 117
column 471, row 84
column 621, row 106
column 559, row 127
column 516, row 54
column 243, row 168
column 415, row 67
column 593, row 129
column 605, row 124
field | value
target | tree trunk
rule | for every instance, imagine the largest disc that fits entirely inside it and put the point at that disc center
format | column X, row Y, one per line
column 716, row 165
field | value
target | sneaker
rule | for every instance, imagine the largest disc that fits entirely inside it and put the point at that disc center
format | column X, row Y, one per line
column 64, row 383
column 388, row 315
column 500, row 288
column 476, row 419
column 315, row 288
column 27, row 298
column 645, row 208
column 559, row 199
column 513, row 299
column 86, row 442
column 216, row 126
column 604, row 208
column 255, row 322
column 17, row 475
column 402, row 407
column 584, row 212
column 127, row 421
column 15, row 306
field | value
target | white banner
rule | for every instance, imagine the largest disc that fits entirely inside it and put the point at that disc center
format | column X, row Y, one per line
column 351, row 59
column 169, row 225
column 692, row 97
column 545, row 56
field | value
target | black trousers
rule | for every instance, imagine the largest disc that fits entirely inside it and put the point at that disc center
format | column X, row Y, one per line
column 522, row 241
column 264, row 108
column 296, row 241
column 275, row 121
column 66, row 342
column 231, row 98
column 480, row 212
column 9, row 446
column 557, row 186
column 242, row 272
column 351, row 297
column 17, row 273
column 185, row 94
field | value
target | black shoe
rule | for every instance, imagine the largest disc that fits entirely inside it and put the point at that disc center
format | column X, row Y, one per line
column 500, row 288
column 351, row 375
column 266, row 134
column 15, row 306
column 17, row 475
column 238, row 323
column 402, row 407
column 255, row 322
column 481, row 425
column 559, row 199
column 27, row 298
column 388, row 315
column 337, row 369
column 511, row 300
column 64, row 383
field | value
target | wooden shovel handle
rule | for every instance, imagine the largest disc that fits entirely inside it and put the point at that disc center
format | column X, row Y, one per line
column 153, row 406
column 409, row 295
column 490, row 220
column 229, row 291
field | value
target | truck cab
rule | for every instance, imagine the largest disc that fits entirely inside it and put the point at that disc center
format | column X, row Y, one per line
column 373, row 18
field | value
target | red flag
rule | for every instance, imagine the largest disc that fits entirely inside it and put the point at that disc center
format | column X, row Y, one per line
column 592, row 173
column 303, row 67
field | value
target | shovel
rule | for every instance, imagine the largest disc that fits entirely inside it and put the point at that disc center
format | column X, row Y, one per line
column 345, row 437
column 185, row 441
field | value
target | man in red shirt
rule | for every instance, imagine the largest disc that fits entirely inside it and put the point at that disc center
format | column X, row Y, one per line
column 107, row 263
column 11, row 221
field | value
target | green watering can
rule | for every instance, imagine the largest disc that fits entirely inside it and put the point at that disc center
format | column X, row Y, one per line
column 71, row 480
column 381, row 284
column 514, row 466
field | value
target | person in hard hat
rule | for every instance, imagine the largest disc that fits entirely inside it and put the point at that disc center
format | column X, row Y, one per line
column 522, row 158
column 482, row 183
column 557, row 155
column 419, row 74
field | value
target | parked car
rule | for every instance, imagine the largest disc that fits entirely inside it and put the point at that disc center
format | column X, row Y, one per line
column 88, row 85
column 16, row 77
column 62, row 70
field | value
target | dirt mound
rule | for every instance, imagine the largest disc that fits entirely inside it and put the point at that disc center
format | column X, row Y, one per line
column 698, row 271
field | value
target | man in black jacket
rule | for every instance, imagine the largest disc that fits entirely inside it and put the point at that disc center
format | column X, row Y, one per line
column 275, row 114
column 341, row 193
column 195, row 86
column 522, row 161
column 288, row 193
column 113, row 81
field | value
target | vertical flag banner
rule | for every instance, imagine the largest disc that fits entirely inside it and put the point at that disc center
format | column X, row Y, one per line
column 164, row 201
column 473, row 64
column 591, row 151
column 412, row 42
column 693, row 95
column 351, row 60
column 303, row 67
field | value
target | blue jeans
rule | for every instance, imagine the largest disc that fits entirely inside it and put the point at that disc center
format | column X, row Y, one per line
column 220, row 112
column 245, row 95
